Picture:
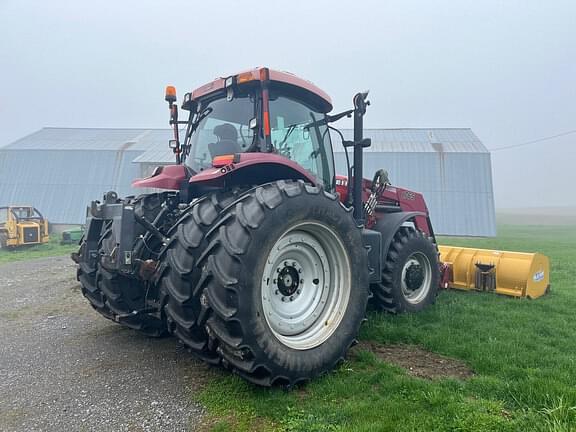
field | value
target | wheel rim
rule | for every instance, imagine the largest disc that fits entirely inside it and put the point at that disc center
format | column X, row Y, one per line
column 416, row 278
column 305, row 288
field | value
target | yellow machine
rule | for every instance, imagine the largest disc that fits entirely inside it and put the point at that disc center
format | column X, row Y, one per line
column 22, row 225
column 515, row 274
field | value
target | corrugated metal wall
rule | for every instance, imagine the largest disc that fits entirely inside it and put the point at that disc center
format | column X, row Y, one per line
column 62, row 183
column 61, row 170
column 457, row 187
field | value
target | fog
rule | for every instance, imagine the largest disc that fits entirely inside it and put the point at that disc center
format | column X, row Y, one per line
column 506, row 69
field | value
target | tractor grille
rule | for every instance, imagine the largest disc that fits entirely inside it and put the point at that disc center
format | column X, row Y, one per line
column 31, row 235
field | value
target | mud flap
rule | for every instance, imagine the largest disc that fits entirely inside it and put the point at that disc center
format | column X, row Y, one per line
column 373, row 243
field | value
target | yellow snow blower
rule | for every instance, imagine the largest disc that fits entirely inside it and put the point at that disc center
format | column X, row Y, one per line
column 514, row 274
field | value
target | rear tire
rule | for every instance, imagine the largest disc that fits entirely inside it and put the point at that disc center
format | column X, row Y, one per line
column 281, row 228
column 114, row 295
column 86, row 275
column 125, row 296
column 181, row 275
column 410, row 275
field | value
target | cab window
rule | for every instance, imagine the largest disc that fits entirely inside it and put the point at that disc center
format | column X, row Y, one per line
column 225, row 130
column 297, row 132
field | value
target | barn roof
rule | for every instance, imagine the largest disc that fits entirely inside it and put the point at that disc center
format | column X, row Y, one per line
column 51, row 138
column 421, row 140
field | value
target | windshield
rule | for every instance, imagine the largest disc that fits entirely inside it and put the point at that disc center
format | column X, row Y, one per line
column 299, row 133
column 224, row 130
column 25, row 213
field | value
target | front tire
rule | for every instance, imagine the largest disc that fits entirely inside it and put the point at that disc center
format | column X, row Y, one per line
column 286, row 284
column 410, row 275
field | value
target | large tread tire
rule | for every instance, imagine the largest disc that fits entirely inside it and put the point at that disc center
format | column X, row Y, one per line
column 124, row 296
column 180, row 274
column 388, row 294
column 113, row 295
column 86, row 275
column 231, row 284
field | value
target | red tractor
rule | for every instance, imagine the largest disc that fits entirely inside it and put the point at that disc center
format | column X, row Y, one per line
column 258, row 257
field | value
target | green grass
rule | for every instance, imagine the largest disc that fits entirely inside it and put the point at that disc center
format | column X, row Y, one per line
column 523, row 353
column 52, row 248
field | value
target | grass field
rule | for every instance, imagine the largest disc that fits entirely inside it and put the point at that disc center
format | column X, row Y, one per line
column 522, row 353
column 52, row 248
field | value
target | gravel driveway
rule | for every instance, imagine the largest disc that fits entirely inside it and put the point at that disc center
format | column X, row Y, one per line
column 65, row 368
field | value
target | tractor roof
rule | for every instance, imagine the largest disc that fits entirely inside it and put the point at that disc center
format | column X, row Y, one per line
column 305, row 88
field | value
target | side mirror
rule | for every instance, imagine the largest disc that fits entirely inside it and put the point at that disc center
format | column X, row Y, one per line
column 172, row 144
column 360, row 102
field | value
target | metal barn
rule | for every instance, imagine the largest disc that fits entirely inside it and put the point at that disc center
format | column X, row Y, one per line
column 450, row 167
column 60, row 170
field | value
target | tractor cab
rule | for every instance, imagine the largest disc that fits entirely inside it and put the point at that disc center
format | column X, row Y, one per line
column 260, row 111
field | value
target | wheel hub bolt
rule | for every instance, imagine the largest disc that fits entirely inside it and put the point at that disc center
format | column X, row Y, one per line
column 293, row 263
column 276, row 292
column 298, row 292
column 301, row 281
column 299, row 270
column 291, row 298
column 283, row 298
column 285, row 263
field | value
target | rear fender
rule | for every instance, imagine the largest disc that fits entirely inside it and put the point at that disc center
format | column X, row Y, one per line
column 168, row 177
column 253, row 169
column 389, row 224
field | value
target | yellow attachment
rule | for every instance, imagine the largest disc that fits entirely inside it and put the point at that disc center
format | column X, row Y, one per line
column 515, row 274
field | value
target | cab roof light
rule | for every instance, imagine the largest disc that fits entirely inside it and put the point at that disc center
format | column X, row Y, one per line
column 244, row 77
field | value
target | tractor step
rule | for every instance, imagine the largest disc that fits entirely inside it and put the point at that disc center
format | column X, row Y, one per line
column 515, row 274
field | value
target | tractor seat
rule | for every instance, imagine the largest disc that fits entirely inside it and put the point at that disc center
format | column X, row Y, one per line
column 227, row 141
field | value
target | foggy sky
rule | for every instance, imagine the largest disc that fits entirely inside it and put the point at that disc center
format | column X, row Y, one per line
column 507, row 69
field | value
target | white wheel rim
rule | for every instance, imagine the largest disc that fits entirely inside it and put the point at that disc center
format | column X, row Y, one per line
column 414, row 294
column 305, row 287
